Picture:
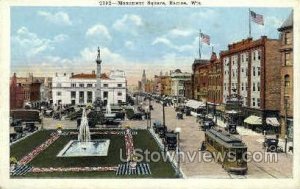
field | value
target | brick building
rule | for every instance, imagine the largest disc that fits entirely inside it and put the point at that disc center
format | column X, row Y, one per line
column 251, row 69
column 215, row 82
column 200, row 79
column 188, row 89
column 17, row 94
column 165, row 85
column 286, row 100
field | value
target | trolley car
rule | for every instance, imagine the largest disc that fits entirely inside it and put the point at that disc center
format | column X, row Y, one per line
column 231, row 148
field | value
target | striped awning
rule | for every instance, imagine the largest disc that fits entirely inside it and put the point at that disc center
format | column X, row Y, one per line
column 253, row 120
column 195, row 104
column 272, row 121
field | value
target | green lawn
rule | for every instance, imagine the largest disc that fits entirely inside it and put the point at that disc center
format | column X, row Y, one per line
column 48, row 157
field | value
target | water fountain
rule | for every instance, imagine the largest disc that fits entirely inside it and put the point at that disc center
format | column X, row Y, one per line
column 84, row 146
column 108, row 113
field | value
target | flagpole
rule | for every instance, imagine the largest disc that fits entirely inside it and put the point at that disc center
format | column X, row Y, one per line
column 249, row 23
column 200, row 44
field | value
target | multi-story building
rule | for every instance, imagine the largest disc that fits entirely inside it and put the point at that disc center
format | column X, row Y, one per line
column 80, row 88
column 251, row 69
column 177, row 82
column 286, row 100
column 165, row 85
column 188, row 89
column 200, row 79
column 215, row 82
column 25, row 90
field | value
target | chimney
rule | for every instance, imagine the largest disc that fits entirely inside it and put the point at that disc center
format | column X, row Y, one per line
column 65, row 74
column 15, row 75
column 72, row 74
column 56, row 74
column 93, row 72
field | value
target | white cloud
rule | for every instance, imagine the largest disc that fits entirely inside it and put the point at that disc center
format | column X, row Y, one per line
column 60, row 18
column 31, row 44
column 128, row 23
column 99, row 30
column 129, row 45
column 181, row 32
column 168, row 43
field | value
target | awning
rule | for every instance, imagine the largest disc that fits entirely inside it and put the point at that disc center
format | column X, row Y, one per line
column 253, row 120
column 231, row 112
column 195, row 104
column 272, row 121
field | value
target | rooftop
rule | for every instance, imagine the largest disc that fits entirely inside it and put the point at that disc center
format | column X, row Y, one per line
column 288, row 23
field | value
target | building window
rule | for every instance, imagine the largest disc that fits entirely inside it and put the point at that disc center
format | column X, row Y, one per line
column 105, row 85
column 119, row 85
column 81, row 84
column 58, row 85
column 232, row 73
column 246, row 70
column 81, row 96
column 258, row 86
column 73, row 94
column 120, row 93
column 253, row 71
column 105, row 94
column 287, row 59
column 224, row 86
column 258, row 71
column 89, row 97
column 58, row 93
column 288, row 38
column 119, row 101
column 73, row 85
column 89, row 85
column 258, row 102
column 242, row 58
column 253, row 55
column 287, row 81
column 242, row 70
column 246, row 86
column 253, row 86
column 242, row 86
column 258, row 55
column 253, row 101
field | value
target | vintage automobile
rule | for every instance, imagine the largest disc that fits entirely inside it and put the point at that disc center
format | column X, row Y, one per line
column 170, row 140
column 231, row 128
column 271, row 144
column 179, row 115
column 137, row 116
column 160, row 130
column 207, row 124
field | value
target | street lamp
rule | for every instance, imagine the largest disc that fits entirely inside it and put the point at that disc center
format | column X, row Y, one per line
column 177, row 131
column 285, row 144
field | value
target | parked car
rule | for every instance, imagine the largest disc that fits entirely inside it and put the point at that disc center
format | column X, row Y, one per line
column 170, row 140
column 231, row 128
column 136, row 116
column 207, row 124
column 271, row 144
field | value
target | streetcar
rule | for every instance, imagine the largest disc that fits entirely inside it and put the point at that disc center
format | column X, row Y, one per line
column 231, row 149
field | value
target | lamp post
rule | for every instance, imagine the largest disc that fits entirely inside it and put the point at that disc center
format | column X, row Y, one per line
column 285, row 144
column 177, row 131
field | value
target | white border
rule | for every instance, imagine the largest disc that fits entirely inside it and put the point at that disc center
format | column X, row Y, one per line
column 136, row 183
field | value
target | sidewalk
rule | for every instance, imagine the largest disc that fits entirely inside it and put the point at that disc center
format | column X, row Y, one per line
column 240, row 129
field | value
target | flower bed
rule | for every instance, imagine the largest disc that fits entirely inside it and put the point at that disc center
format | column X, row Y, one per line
column 129, row 145
column 71, row 169
column 26, row 159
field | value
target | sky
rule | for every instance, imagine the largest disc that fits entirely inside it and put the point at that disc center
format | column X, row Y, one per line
column 46, row 40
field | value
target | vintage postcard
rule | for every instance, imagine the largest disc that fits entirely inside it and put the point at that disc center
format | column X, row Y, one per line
column 155, row 93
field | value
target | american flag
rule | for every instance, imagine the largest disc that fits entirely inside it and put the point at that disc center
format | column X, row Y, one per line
column 257, row 18
column 205, row 38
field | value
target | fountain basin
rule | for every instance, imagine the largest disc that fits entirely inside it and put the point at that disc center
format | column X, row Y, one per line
column 76, row 148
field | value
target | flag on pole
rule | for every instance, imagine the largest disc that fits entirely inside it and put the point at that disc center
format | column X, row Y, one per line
column 257, row 18
column 205, row 38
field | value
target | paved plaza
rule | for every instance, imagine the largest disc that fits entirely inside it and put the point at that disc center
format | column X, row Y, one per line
column 191, row 138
